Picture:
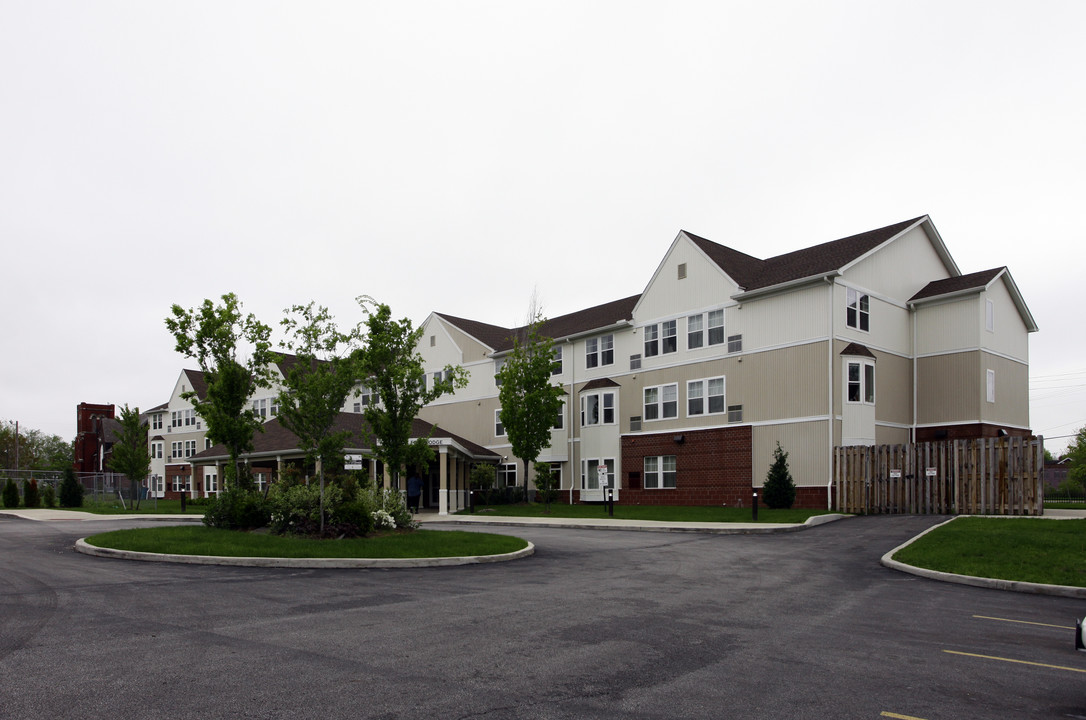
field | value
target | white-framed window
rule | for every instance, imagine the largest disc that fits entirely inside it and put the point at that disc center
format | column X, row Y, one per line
column 669, row 337
column 158, row 483
column 556, row 364
column 556, row 471
column 660, row 473
column 990, row 385
column 156, row 450
column 261, row 481
column 274, row 407
column 176, row 449
column 190, row 448
column 857, row 310
column 716, row 327
column 260, row 408
column 499, row 429
column 498, row 365
column 652, row 340
column 211, row 482
column 156, row 421
column 989, row 316
column 705, row 397
column 175, row 418
column 598, row 408
column 507, row 475
column 861, row 382
column 599, row 351
column 591, row 352
column 590, row 472
column 560, row 421
column 178, row 483
column 207, row 443
column 358, row 407
column 190, row 417
column 695, row 331
column 661, row 402
column 368, row 397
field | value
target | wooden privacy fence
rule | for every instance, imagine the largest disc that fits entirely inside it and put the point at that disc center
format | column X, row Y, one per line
column 985, row 476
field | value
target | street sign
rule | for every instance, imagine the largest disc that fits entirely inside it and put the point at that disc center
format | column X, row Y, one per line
column 601, row 473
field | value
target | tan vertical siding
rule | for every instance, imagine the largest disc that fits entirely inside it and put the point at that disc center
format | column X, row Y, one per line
column 1011, row 404
column 950, row 387
column 807, row 448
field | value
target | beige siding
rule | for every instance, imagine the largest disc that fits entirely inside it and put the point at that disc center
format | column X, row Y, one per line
column 885, row 435
column 1011, row 406
column 797, row 316
column 1010, row 336
column 950, row 388
column 893, row 389
column 781, row 384
column 473, row 420
column 470, row 348
column 900, row 269
column 949, row 326
column 807, row 447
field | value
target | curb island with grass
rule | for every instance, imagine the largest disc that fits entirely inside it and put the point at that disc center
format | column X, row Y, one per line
column 210, row 546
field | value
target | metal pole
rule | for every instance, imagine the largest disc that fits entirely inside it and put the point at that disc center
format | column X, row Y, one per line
column 754, row 506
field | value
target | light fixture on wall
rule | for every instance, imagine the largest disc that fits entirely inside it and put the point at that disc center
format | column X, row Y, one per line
column 680, row 439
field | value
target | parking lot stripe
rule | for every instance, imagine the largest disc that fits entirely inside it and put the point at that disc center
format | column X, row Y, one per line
column 1025, row 622
column 1020, row 662
column 884, row 713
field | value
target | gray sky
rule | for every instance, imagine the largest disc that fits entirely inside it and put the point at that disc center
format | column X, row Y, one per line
column 454, row 156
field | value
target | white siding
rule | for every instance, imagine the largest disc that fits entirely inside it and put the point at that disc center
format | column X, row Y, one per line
column 899, row 270
column 950, row 326
column 786, row 319
column 667, row 296
column 1010, row 336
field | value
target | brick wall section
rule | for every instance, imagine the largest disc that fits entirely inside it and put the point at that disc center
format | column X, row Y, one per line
column 713, row 467
column 965, row 432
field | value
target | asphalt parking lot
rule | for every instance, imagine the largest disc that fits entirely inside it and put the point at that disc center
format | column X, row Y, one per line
column 597, row 624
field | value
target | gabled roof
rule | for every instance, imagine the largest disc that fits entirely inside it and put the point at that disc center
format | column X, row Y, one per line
column 859, row 350
column 750, row 273
column 974, row 283
column 500, row 339
column 599, row 383
column 158, row 408
column 197, row 383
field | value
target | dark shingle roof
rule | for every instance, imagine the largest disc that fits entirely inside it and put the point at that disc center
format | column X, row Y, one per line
column 599, row 383
column 490, row 335
column 973, row 281
column 858, row 349
column 751, row 273
column 197, row 383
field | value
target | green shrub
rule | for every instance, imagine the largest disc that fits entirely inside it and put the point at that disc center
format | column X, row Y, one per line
column 546, row 483
column 483, row 476
column 49, row 496
column 11, row 494
column 31, row 496
column 297, row 509
column 237, row 509
column 779, row 490
column 71, row 490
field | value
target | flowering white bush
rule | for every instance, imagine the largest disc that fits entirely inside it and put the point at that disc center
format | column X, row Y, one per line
column 383, row 521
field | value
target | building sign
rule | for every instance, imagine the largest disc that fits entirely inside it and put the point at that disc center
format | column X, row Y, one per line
column 895, row 474
column 352, row 462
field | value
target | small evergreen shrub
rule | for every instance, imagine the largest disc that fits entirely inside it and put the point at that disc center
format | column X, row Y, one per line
column 237, row 509
column 31, row 496
column 779, row 490
column 71, row 490
column 49, row 496
column 11, row 494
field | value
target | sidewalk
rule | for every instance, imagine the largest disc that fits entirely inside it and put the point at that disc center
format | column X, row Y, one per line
column 57, row 515
column 609, row 523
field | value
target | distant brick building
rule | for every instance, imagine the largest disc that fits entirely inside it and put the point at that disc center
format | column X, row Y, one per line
column 96, row 431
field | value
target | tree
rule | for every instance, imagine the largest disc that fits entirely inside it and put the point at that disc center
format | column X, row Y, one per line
column 11, row 494
column 35, row 450
column 325, row 372
column 391, row 365
column 211, row 335
column 130, row 456
column 1076, row 451
column 546, row 484
column 779, row 490
column 71, row 490
column 530, row 403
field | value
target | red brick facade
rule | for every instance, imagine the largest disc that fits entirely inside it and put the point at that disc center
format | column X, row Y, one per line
column 712, row 467
column 966, row 432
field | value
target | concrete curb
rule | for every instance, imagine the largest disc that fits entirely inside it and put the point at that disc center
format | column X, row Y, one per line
column 320, row 563
column 45, row 515
column 992, row 583
column 643, row 525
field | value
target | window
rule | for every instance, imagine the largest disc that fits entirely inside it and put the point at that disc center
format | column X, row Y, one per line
column 660, row 472
column 207, row 443
column 175, row 418
column 156, row 422
column 599, row 351
column 260, row 408
column 597, row 408
column 661, row 402
column 190, row 448
column 861, row 382
column 990, row 383
column 358, row 407
column 607, row 350
column 437, row 377
column 507, row 475
column 989, row 316
column 261, row 480
column 556, row 471
column 591, row 352
column 590, row 473
column 498, row 365
column 695, row 331
column 556, row 365
column 176, row 449
column 652, row 340
column 274, row 406
column 211, row 482
column 368, row 397
column 705, row 396
column 670, row 340
column 735, row 413
column 857, row 310
column 499, row 429
column 156, row 450
column 735, row 343
column 635, row 362
column 716, row 327
column 560, row 421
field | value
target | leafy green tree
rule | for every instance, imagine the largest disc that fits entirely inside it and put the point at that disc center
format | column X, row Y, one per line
column 1076, row 451
column 315, row 386
column 391, row 365
column 779, row 490
column 71, row 490
column 34, row 449
column 546, row 484
column 212, row 335
column 130, row 455
column 530, row 403
column 31, row 496
column 11, row 494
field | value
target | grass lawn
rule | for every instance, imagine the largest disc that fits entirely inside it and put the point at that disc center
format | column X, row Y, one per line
column 671, row 513
column 200, row 540
column 1027, row 549
column 1064, row 505
column 147, row 507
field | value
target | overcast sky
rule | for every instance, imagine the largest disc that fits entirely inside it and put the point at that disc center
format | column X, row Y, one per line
column 453, row 156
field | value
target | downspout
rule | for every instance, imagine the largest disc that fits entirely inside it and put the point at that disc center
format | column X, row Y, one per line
column 573, row 471
column 916, row 372
column 829, row 397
